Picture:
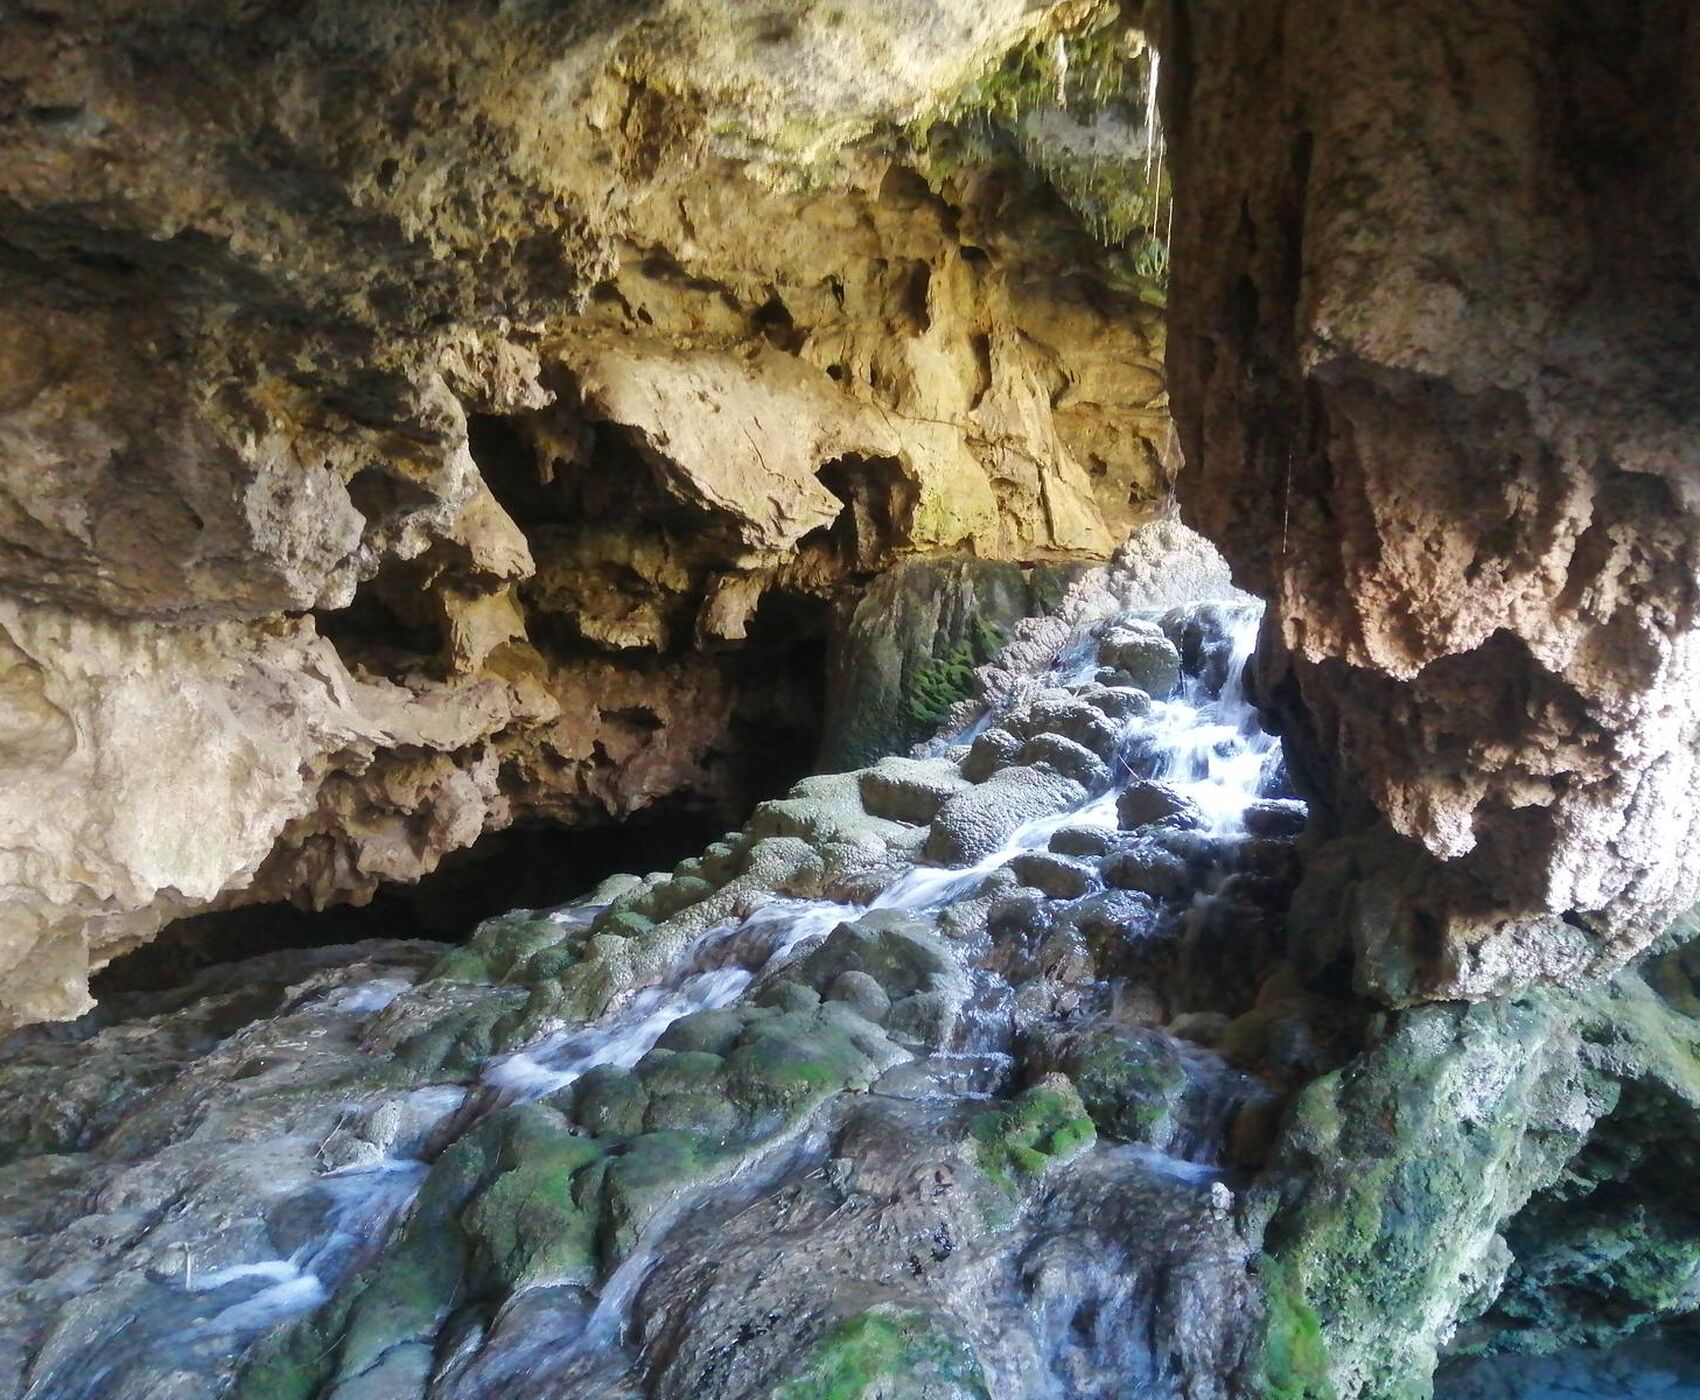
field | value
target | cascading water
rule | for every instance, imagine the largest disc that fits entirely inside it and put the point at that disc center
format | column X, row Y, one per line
column 1198, row 748
column 1204, row 741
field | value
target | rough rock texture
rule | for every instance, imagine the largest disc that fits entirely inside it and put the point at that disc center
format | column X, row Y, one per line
column 809, row 1117
column 559, row 366
column 1434, row 318
column 799, row 1118
column 912, row 644
column 1490, row 1176
column 1660, row 1361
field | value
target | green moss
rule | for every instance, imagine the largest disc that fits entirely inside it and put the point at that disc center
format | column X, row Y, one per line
column 887, row 1352
column 412, row 1288
column 462, row 964
column 403, row 1296
column 497, row 948
column 1090, row 63
column 785, row 994
column 626, row 921
column 457, row 1044
column 686, row 1090
column 1614, row 1244
column 1131, row 1081
column 1294, row 1361
column 790, row 1060
column 536, row 1221
column 1071, row 104
column 899, row 951
column 683, row 891
column 1393, row 1179
column 533, row 1196
column 1045, row 1125
column 931, row 691
column 649, row 1173
column 292, row 1364
column 715, row 1031
column 610, row 1102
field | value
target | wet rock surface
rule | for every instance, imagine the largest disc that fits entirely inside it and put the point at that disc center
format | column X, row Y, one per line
column 418, row 423
column 815, row 1109
column 818, row 1113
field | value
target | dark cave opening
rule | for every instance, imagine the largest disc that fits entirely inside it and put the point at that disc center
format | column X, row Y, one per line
column 390, row 627
column 508, row 461
column 532, row 865
column 776, row 672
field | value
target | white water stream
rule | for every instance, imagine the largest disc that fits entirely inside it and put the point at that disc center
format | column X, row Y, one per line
column 1209, row 747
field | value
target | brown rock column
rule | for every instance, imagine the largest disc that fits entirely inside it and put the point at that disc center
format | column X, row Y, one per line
column 1435, row 363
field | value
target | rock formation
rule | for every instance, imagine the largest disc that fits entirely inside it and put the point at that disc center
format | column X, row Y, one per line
column 908, row 652
column 625, row 1143
column 1434, row 300
column 420, row 421
column 988, row 1071
column 412, row 423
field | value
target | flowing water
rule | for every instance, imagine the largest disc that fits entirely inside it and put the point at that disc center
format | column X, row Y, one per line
column 1203, row 741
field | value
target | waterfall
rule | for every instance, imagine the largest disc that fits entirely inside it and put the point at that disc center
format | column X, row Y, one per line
column 1203, row 740
column 1192, row 746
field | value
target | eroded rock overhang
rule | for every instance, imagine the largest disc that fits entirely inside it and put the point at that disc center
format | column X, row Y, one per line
column 415, row 422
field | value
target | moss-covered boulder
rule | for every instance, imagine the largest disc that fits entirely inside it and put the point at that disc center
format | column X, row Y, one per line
column 535, row 1222
column 1042, row 1127
column 1614, row 1243
column 887, row 1353
column 1132, row 1081
column 498, row 946
column 923, row 985
column 1392, row 1180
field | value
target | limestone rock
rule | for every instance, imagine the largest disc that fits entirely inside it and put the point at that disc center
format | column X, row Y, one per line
column 991, row 751
column 1070, row 759
column 716, row 461
column 1057, row 876
column 1147, row 803
column 1078, row 721
column 560, row 371
column 1147, row 869
column 975, row 823
column 1430, row 311
column 153, row 767
column 1144, row 656
column 909, row 790
column 1495, row 1118
column 909, row 649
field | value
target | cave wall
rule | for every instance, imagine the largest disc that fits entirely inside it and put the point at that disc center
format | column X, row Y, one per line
column 418, row 420
column 1434, row 326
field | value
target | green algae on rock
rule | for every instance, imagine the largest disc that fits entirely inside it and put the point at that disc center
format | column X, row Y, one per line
column 1488, row 1176
column 910, row 646
column 887, row 1353
column 1042, row 1127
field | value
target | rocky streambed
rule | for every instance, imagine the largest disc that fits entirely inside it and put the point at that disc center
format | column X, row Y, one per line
column 970, row 1073
column 875, row 1087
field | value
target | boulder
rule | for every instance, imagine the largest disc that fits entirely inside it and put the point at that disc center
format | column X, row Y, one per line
column 1148, row 803
column 977, row 822
column 1058, row 877
column 1141, row 653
